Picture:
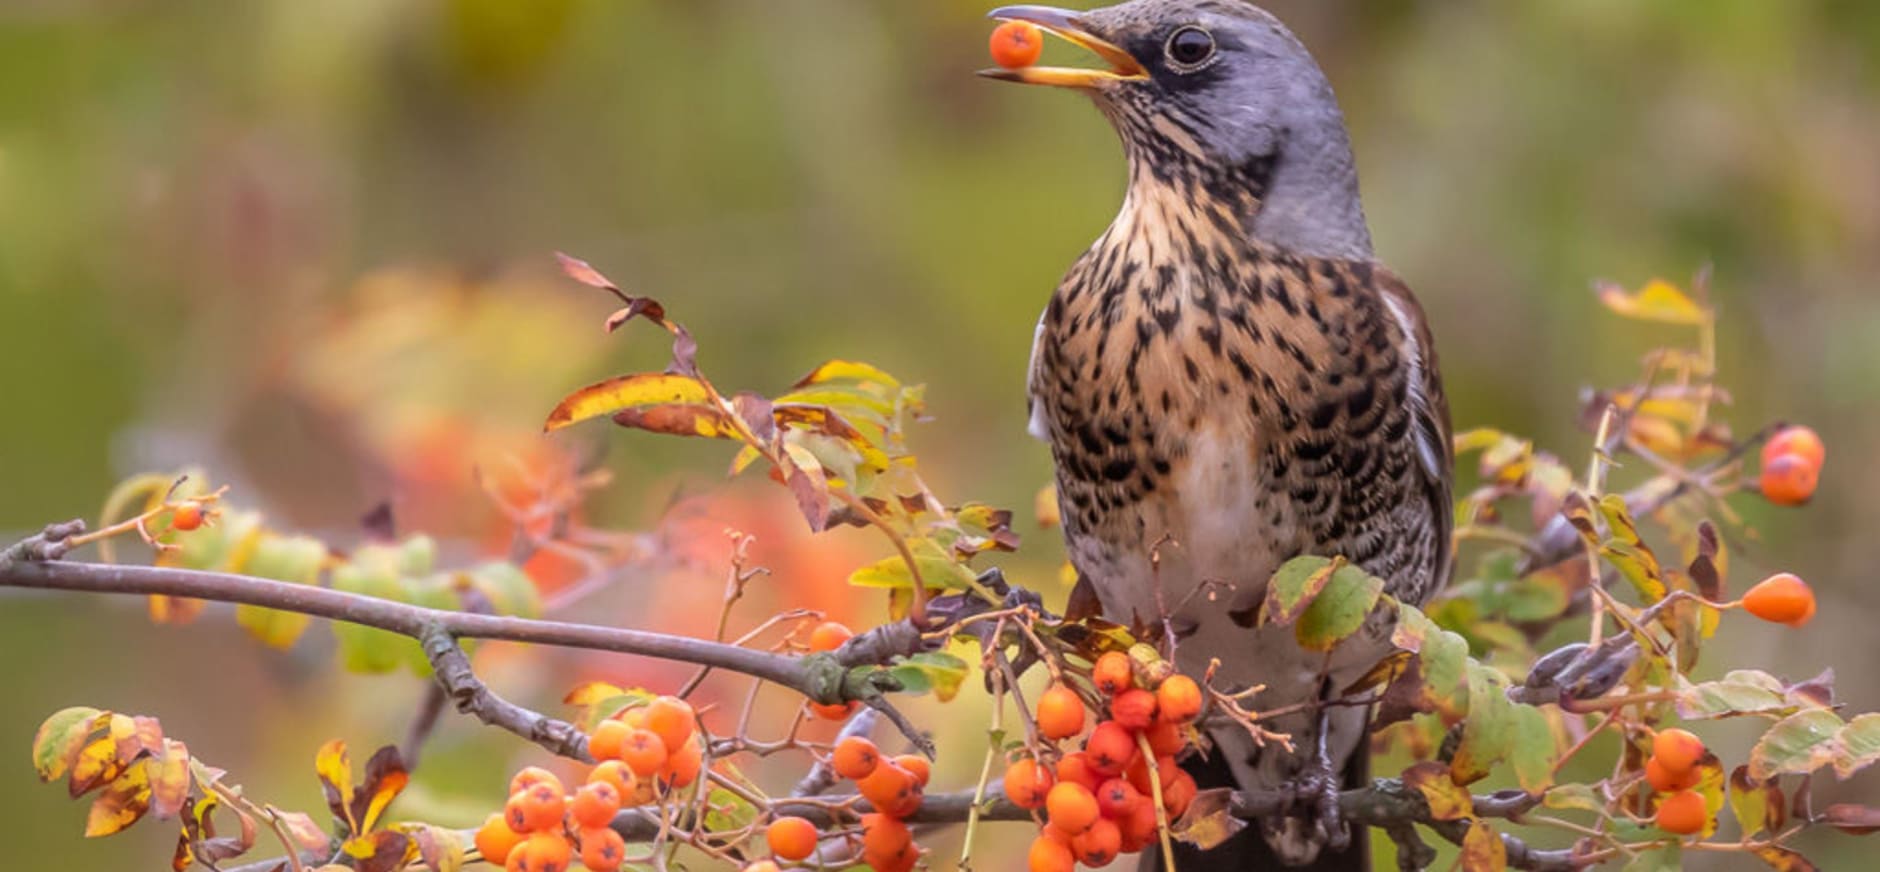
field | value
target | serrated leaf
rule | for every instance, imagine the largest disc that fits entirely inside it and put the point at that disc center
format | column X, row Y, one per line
column 1741, row 692
column 624, row 392
column 293, row 559
column 1857, row 745
column 1339, row 609
column 1293, row 588
column 1799, row 743
column 61, row 737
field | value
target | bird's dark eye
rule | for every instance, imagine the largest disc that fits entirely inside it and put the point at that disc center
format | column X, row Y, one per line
column 1190, row 47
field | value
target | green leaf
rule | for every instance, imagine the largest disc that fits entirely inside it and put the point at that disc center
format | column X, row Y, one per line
column 1533, row 750
column 1857, row 745
column 1799, row 743
column 1741, row 692
column 1293, row 588
column 61, row 737
column 1339, row 609
column 937, row 671
column 367, row 649
column 1445, row 664
column 293, row 559
column 1489, row 731
column 726, row 811
column 1574, row 796
column 510, row 590
column 937, row 569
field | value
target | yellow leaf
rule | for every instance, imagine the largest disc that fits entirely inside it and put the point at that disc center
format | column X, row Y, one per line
column 334, row 767
column 1659, row 301
column 848, row 370
column 1448, row 800
column 169, row 779
column 624, row 392
column 121, row 803
column 1482, row 850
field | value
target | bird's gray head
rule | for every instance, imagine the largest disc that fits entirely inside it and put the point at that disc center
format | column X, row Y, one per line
column 1218, row 94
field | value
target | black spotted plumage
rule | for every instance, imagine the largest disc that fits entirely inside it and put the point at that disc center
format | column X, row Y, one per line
column 1228, row 379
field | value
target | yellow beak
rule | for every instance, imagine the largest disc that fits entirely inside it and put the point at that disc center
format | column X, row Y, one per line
column 1068, row 26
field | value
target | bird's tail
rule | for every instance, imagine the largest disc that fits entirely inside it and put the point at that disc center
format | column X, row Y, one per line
column 1248, row 850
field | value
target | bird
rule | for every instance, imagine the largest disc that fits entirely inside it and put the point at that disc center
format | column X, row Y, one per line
column 1228, row 379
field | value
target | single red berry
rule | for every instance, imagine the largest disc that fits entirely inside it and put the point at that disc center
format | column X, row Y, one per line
column 1781, row 598
column 791, row 838
column 187, row 516
column 1110, row 748
column 1016, row 44
column 1026, row 783
column 1682, row 813
column 1134, row 709
column 1797, row 441
column 1060, row 713
column 1112, row 673
column 1789, row 480
column 854, row 758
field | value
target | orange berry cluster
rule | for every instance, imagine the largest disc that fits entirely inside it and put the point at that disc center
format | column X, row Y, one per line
column 542, row 826
column 1781, row 599
column 1099, row 802
column 1672, row 771
column 656, row 747
column 895, row 786
column 1791, row 466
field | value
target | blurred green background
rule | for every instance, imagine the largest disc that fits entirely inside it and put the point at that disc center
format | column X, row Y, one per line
column 308, row 245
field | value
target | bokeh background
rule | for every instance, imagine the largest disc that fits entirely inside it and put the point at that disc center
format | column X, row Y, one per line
column 308, row 246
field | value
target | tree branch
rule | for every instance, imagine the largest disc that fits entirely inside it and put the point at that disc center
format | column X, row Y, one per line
column 406, row 619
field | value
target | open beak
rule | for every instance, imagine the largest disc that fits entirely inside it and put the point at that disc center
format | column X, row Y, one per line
column 1067, row 25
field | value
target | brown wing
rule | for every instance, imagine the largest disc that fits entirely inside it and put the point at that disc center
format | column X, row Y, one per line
column 1430, row 408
